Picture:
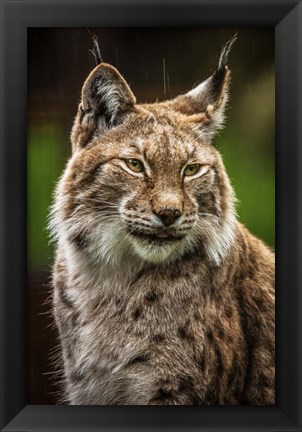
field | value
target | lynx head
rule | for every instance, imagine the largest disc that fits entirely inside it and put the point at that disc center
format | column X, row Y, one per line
column 145, row 180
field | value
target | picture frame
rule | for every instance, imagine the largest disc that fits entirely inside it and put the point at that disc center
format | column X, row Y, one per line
column 17, row 16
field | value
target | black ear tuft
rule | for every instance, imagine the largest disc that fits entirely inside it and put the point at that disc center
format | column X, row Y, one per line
column 219, row 75
column 96, row 50
column 224, row 55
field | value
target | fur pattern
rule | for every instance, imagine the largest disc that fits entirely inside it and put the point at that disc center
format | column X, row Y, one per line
column 151, row 313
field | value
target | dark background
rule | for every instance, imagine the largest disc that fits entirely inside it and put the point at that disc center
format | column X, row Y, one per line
column 158, row 64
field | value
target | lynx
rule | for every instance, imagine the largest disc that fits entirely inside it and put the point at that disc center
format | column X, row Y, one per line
column 161, row 296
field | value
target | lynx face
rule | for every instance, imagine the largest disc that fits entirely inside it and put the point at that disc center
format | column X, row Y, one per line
column 169, row 177
column 145, row 181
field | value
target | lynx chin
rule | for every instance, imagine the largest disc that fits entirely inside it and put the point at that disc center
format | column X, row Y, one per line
column 161, row 297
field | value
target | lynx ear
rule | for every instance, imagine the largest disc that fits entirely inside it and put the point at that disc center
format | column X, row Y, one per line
column 106, row 98
column 205, row 104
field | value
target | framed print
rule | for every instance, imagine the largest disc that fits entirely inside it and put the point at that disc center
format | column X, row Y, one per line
column 148, row 337
column 185, row 354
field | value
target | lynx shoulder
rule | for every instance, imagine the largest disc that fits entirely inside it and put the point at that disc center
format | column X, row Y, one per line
column 160, row 295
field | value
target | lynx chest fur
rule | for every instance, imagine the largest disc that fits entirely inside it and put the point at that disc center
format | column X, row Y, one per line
column 160, row 295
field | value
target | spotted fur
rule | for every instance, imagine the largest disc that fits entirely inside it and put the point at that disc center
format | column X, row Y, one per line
column 149, row 313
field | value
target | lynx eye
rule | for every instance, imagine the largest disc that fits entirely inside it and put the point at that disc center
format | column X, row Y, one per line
column 135, row 165
column 191, row 169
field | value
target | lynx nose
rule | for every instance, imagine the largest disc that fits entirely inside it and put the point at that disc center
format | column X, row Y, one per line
column 168, row 216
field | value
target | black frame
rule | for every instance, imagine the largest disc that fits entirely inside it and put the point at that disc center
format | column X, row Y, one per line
column 16, row 16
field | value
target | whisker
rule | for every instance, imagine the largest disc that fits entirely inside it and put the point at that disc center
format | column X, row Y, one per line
column 138, row 223
column 208, row 214
column 135, row 216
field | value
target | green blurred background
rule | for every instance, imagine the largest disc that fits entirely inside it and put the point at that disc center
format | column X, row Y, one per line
column 158, row 63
